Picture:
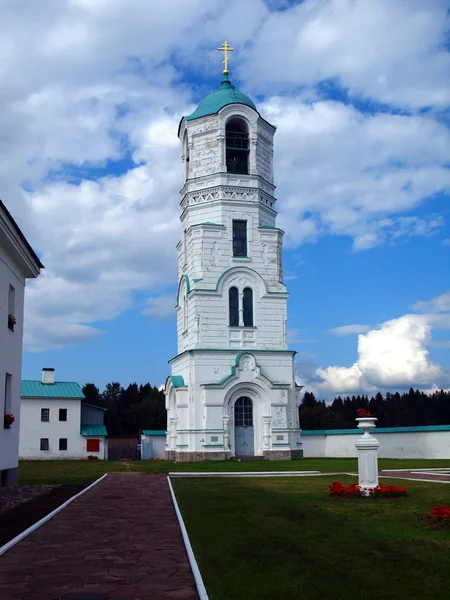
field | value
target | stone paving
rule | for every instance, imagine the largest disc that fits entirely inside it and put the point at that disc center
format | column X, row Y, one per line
column 120, row 541
column 415, row 474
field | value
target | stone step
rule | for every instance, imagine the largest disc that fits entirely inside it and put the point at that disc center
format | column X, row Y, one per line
column 251, row 458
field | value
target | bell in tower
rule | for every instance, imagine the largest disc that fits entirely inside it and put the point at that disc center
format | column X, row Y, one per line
column 232, row 390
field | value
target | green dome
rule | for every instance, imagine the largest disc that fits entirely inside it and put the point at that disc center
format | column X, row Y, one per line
column 225, row 94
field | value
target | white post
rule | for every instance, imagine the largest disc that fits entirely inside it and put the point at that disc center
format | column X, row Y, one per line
column 226, row 433
column 367, row 447
column 266, row 431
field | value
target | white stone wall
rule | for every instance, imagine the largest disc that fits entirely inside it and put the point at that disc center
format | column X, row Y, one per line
column 431, row 444
column 33, row 429
column 10, row 355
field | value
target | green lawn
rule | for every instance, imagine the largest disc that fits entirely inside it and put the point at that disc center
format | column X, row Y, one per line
column 81, row 471
column 285, row 538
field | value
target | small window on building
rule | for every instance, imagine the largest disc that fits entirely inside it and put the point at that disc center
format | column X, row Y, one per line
column 248, row 307
column 11, row 307
column 45, row 414
column 93, row 445
column 63, row 414
column 44, row 444
column 63, row 443
column 239, row 238
column 233, row 297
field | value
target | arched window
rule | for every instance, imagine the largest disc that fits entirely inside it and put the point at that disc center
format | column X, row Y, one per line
column 237, row 146
column 233, row 298
column 186, row 155
column 248, row 307
column 243, row 412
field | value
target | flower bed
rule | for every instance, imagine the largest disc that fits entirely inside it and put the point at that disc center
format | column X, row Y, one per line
column 337, row 489
column 440, row 513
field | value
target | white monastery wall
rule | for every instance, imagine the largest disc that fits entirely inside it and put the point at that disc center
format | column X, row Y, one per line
column 430, row 444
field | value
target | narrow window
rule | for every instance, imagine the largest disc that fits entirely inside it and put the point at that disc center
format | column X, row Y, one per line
column 7, row 405
column 93, row 445
column 237, row 146
column 45, row 414
column 44, row 444
column 63, row 414
column 233, row 297
column 63, row 443
column 11, row 307
column 248, row 307
column 239, row 238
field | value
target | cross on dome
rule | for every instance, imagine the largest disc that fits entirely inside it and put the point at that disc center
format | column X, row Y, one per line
column 225, row 48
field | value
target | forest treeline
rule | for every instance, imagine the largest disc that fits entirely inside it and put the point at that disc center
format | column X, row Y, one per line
column 137, row 407
column 392, row 410
column 128, row 410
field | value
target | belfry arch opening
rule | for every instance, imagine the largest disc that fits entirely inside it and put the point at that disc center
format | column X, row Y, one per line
column 237, row 146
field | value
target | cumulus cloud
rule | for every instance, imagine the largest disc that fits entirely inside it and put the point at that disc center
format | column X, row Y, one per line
column 394, row 355
column 90, row 99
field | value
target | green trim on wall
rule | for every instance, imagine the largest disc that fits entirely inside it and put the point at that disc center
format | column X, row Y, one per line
column 212, row 445
column 286, row 429
column 283, row 444
column 182, row 445
column 207, row 223
column 252, row 351
column 199, row 430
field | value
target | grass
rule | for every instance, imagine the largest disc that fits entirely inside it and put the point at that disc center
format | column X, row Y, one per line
column 84, row 471
column 283, row 538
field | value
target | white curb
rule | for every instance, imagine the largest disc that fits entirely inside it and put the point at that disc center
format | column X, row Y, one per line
column 194, row 566
column 243, row 473
column 24, row 534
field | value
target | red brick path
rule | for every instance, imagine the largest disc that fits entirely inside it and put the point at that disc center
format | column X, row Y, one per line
column 121, row 539
column 413, row 474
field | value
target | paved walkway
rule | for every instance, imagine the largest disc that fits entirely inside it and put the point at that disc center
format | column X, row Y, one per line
column 418, row 474
column 120, row 540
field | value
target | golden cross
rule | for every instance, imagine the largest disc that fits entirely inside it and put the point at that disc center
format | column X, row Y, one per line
column 225, row 48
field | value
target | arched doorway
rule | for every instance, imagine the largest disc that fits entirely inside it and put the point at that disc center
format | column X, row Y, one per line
column 244, row 437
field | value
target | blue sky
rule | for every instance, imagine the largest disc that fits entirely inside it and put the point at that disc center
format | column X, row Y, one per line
column 359, row 91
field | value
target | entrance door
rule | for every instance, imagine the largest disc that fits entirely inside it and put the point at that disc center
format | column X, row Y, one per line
column 243, row 427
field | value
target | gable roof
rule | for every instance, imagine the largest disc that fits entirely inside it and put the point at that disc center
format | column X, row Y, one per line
column 60, row 389
column 97, row 430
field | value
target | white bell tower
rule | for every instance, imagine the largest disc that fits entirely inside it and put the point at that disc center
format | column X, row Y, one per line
column 232, row 390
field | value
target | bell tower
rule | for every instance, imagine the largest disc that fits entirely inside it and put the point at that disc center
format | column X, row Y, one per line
column 232, row 390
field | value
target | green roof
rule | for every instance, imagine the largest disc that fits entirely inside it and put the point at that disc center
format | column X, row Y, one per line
column 93, row 430
column 225, row 94
column 153, row 432
column 60, row 389
column 416, row 429
column 177, row 381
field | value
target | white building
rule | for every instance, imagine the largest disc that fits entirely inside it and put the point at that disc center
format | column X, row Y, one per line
column 56, row 423
column 232, row 391
column 18, row 262
column 153, row 444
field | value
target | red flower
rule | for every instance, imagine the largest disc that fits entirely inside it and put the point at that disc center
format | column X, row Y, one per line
column 354, row 491
column 440, row 512
column 9, row 419
column 362, row 412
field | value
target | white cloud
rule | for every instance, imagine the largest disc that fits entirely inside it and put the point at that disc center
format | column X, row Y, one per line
column 350, row 329
column 395, row 355
column 439, row 304
column 390, row 50
column 89, row 83
column 446, row 242
column 161, row 307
